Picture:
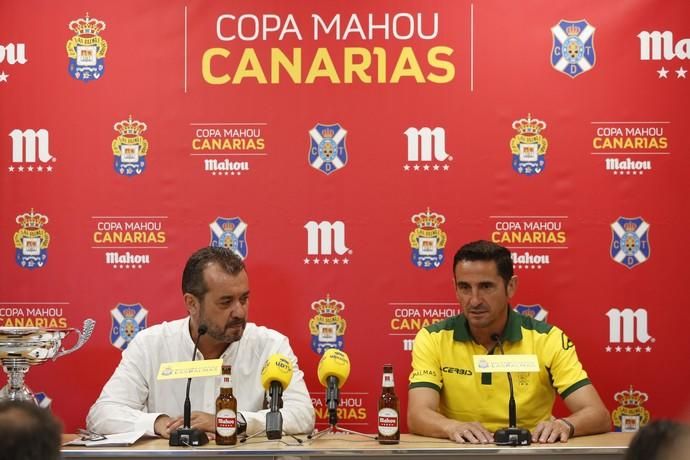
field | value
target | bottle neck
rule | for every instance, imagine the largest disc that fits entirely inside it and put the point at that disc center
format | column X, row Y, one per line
column 225, row 382
column 388, row 381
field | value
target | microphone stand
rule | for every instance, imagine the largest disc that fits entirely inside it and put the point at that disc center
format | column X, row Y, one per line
column 188, row 436
column 274, row 418
column 511, row 436
column 332, row 399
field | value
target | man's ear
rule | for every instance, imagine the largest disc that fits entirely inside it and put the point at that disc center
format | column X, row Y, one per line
column 192, row 303
column 512, row 286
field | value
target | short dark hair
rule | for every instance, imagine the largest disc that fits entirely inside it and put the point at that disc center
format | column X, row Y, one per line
column 193, row 274
column 486, row 251
column 29, row 432
column 657, row 440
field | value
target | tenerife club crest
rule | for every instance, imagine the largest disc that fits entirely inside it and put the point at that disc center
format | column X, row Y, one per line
column 529, row 146
column 428, row 240
column 535, row 311
column 230, row 233
column 86, row 50
column 327, row 151
column 31, row 240
column 630, row 415
column 130, row 147
column 630, row 241
column 128, row 320
column 573, row 47
column 327, row 328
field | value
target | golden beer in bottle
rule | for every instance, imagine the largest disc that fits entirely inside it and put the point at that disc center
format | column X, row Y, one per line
column 389, row 410
column 226, row 411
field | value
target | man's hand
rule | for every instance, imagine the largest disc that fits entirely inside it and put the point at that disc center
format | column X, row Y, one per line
column 200, row 420
column 162, row 426
column 551, row 431
column 472, row 432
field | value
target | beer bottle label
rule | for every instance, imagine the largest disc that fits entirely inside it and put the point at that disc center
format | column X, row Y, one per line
column 388, row 422
column 226, row 422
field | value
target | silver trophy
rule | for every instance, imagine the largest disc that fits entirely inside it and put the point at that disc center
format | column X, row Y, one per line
column 22, row 347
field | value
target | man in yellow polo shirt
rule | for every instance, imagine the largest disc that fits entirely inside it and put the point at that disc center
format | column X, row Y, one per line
column 449, row 399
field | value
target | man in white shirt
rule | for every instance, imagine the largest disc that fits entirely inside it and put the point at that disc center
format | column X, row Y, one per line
column 216, row 293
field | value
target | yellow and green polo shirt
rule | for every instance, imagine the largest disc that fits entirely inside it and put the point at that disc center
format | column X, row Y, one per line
column 442, row 359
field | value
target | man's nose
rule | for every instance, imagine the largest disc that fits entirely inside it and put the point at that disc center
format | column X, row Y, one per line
column 474, row 299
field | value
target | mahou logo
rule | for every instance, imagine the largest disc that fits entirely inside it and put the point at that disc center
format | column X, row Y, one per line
column 628, row 331
column 426, row 150
column 326, row 243
column 11, row 53
column 659, row 46
column 31, row 151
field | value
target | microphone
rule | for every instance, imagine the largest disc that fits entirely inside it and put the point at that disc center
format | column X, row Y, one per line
column 333, row 371
column 511, row 436
column 275, row 377
column 188, row 436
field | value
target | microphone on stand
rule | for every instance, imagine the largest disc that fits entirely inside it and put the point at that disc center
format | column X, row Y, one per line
column 333, row 371
column 511, row 436
column 186, row 435
column 275, row 377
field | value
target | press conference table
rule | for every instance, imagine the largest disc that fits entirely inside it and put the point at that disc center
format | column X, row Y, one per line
column 607, row 446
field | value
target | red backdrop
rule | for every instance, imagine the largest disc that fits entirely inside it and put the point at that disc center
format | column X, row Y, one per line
column 229, row 94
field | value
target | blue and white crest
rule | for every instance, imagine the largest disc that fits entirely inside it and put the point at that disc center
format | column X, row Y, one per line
column 535, row 311
column 86, row 49
column 230, row 233
column 43, row 400
column 31, row 240
column 128, row 320
column 573, row 47
column 327, row 151
column 630, row 241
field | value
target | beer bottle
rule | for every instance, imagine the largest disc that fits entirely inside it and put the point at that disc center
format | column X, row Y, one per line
column 389, row 410
column 226, row 411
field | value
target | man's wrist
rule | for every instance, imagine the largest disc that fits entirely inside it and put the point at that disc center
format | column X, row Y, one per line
column 570, row 425
column 241, row 423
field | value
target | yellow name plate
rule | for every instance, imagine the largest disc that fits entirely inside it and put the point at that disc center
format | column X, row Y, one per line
column 506, row 363
column 188, row 369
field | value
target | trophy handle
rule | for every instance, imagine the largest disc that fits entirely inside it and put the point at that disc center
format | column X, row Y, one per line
column 82, row 337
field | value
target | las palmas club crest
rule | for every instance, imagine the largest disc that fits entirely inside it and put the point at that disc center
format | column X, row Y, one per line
column 630, row 241
column 128, row 320
column 529, row 146
column 130, row 147
column 327, row 328
column 31, row 240
column 535, row 311
column 86, row 50
column 230, row 233
column 428, row 240
column 630, row 415
column 573, row 47
column 327, row 151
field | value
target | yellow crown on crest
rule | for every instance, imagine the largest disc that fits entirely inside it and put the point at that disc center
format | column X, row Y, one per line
column 228, row 227
column 86, row 26
column 129, row 312
column 573, row 30
column 630, row 398
column 328, row 306
column 630, row 227
column 328, row 132
column 130, row 127
column 529, row 125
column 32, row 219
column 428, row 219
